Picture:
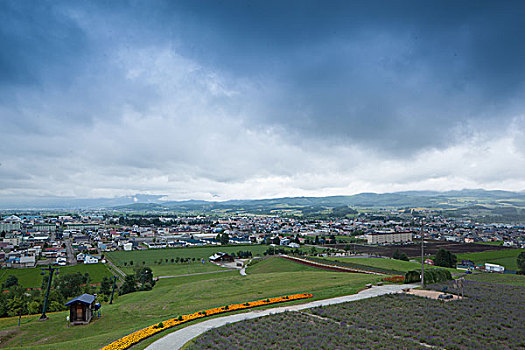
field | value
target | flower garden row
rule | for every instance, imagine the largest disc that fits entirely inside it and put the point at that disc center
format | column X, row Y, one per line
column 490, row 317
column 329, row 265
column 133, row 338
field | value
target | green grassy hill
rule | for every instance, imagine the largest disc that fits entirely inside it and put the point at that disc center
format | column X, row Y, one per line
column 150, row 256
column 180, row 269
column 174, row 296
column 276, row 264
column 31, row 278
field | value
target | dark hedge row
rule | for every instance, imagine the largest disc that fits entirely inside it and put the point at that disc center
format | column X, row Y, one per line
column 431, row 276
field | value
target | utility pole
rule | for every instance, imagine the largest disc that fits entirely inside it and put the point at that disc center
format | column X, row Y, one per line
column 51, row 272
column 114, row 278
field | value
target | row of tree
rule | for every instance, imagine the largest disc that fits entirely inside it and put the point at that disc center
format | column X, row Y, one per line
column 278, row 250
column 141, row 279
column 19, row 300
column 400, row 255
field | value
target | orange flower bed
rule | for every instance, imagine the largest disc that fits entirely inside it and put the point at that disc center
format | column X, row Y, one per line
column 133, row 338
column 395, row 279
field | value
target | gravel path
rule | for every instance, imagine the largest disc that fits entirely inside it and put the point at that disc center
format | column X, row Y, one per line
column 119, row 271
column 178, row 338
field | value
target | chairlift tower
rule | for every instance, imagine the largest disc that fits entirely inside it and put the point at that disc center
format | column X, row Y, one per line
column 422, row 254
column 51, row 272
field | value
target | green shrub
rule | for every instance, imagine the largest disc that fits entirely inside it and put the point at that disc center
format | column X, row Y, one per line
column 412, row 276
column 431, row 276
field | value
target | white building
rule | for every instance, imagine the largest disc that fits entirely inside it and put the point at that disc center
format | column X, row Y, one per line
column 9, row 226
column 89, row 259
column 28, row 261
column 494, row 268
column 389, row 237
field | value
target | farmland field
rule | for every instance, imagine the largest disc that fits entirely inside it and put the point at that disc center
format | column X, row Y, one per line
column 296, row 331
column 31, row 278
column 490, row 317
column 152, row 255
column 173, row 296
column 414, row 250
column 496, row 243
column 505, row 257
column 382, row 263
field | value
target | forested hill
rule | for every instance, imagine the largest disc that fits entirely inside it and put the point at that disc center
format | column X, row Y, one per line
column 504, row 205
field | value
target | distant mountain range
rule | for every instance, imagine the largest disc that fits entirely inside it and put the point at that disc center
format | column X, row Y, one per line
column 76, row 203
column 409, row 199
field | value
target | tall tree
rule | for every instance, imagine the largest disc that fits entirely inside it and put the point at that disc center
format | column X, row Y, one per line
column 521, row 262
column 129, row 286
column 105, row 286
column 445, row 258
column 10, row 281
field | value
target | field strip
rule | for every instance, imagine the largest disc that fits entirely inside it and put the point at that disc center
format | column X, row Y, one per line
column 195, row 274
column 177, row 339
column 330, row 266
column 370, row 331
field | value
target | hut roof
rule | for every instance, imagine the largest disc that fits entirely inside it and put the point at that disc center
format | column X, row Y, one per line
column 84, row 298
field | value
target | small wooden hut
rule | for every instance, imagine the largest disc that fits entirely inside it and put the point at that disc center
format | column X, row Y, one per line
column 81, row 309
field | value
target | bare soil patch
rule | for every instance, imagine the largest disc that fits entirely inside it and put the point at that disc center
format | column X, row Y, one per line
column 6, row 335
column 431, row 294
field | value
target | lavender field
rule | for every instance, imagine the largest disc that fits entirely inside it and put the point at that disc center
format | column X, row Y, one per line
column 490, row 317
column 294, row 330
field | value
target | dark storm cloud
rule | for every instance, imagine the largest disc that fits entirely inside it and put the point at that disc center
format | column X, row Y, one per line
column 395, row 75
column 259, row 97
column 484, row 37
column 37, row 42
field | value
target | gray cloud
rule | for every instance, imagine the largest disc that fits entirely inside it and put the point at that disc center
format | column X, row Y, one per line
column 249, row 99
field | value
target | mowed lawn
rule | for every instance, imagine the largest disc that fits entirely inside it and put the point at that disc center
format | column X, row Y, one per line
column 150, row 256
column 383, row 263
column 504, row 257
column 179, row 269
column 174, row 296
column 32, row 278
column 276, row 264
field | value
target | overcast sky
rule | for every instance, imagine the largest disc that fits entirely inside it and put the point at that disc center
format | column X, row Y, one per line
column 254, row 99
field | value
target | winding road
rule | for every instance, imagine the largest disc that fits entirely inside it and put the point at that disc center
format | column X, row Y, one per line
column 180, row 337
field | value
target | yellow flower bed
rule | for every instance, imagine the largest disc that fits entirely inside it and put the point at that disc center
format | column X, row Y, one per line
column 133, row 338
